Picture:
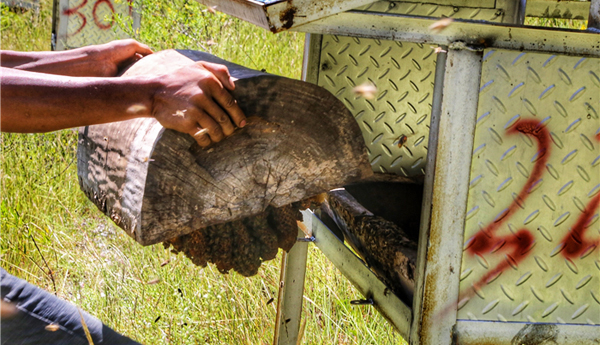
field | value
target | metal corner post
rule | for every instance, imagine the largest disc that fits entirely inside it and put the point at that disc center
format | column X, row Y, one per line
column 291, row 290
column 440, row 245
column 436, row 106
column 311, row 58
column 594, row 18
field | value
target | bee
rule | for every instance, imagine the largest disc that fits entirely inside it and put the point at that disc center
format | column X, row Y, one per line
column 153, row 281
column 52, row 327
column 366, row 90
column 438, row 50
column 402, row 140
column 440, row 25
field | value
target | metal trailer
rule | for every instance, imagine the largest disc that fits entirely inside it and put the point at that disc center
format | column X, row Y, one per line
column 504, row 128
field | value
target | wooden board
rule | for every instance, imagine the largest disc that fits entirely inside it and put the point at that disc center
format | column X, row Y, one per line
column 158, row 184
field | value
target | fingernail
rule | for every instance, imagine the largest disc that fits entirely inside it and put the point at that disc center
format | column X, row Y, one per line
column 242, row 123
column 231, row 83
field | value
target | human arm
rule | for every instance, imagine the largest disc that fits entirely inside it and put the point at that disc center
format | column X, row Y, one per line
column 104, row 60
column 191, row 99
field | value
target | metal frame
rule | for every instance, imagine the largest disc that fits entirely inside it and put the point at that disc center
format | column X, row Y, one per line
column 454, row 110
column 291, row 289
column 441, row 241
column 280, row 15
column 353, row 268
column 478, row 332
column 470, row 34
column 594, row 16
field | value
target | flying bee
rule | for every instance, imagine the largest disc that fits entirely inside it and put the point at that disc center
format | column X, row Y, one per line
column 440, row 25
column 366, row 90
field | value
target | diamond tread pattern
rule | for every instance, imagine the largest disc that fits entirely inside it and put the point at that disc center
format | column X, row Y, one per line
column 562, row 93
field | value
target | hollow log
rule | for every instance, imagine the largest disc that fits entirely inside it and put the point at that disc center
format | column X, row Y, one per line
column 158, row 184
column 383, row 245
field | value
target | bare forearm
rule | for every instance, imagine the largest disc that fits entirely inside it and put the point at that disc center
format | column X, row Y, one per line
column 104, row 60
column 35, row 102
column 77, row 62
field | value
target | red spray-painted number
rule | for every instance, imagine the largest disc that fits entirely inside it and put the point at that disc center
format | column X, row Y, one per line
column 75, row 11
column 518, row 245
column 575, row 243
column 98, row 21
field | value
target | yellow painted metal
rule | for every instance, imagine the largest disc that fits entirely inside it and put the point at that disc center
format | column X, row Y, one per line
column 531, row 195
column 395, row 120
column 481, row 12
column 82, row 22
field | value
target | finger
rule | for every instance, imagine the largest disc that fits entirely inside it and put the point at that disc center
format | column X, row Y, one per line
column 142, row 49
column 201, row 136
column 215, row 132
column 219, row 115
column 229, row 104
column 221, row 72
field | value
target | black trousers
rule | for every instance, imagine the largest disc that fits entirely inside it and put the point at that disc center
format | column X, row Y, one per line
column 37, row 309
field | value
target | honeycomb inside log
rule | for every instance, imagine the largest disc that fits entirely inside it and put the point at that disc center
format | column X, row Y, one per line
column 242, row 245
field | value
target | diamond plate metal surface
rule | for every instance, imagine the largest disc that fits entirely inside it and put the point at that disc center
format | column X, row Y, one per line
column 395, row 123
column 435, row 10
column 83, row 22
column 532, row 229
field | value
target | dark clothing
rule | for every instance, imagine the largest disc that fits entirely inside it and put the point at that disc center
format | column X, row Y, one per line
column 38, row 309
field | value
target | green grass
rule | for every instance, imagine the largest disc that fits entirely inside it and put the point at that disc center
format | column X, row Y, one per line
column 53, row 237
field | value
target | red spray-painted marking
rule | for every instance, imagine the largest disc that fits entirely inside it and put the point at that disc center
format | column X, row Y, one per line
column 130, row 4
column 574, row 242
column 516, row 245
column 98, row 22
column 75, row 11
column 485, row 241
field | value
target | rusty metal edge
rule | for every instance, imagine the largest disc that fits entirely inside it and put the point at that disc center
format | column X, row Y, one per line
column 499, row 333
column 436, row 109
column 440, row 278
column 474, row 34
column 278, row 16
column 249, row 10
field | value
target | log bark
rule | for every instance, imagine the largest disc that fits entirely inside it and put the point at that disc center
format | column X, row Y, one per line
column 383, row 245
column 158, row 184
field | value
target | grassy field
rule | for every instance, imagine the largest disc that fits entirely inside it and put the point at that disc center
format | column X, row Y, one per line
column 52, row 236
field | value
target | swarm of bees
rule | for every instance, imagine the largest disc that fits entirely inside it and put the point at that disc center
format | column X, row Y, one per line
column 241, row 245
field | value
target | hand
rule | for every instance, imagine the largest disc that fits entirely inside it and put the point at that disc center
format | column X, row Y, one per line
column 112, row 57
column 194, row 99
